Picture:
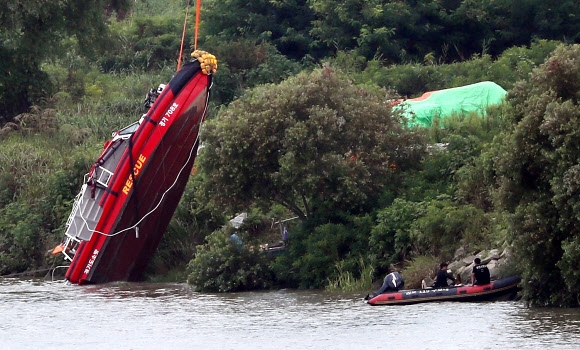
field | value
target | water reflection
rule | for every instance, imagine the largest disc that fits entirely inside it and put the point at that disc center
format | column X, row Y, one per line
column 55, row 315
column 549, row 325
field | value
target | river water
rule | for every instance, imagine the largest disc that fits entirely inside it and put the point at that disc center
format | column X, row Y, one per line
column 36, row 314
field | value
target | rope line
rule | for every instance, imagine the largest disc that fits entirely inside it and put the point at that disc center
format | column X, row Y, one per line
column 183, row 37
column 85, row 223
column 197, row 11
column 54, row 269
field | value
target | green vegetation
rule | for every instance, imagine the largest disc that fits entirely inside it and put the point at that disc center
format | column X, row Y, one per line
column 347, row 282
column 418, row 268
column 300, row 125
column 315, row 138
column 538, row 177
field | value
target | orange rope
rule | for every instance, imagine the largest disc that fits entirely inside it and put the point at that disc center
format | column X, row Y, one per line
column 182, row 37
column 197, row 11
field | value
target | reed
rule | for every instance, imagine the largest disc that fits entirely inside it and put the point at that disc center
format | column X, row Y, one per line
column 346, row 281
column 419, row 268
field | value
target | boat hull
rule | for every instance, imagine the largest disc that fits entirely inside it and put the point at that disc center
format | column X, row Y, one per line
column 502, row 289
column 142, row 194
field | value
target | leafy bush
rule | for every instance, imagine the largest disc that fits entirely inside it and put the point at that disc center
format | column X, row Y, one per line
column 445, row 226
column 569, row 264
column 537, row 177
column 20, row 238
column 390, row 240
column 419, row 268
column 41, row 176
column 315, row 253
column 409, row 80
column 221, row 265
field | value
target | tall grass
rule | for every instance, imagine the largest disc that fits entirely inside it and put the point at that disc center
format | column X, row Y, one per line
column 111, row 102
column 30, row 162
column 347, row 282
column 419, row 268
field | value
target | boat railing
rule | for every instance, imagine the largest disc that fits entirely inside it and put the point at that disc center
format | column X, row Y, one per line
column 69, row 246
column 104, row 177
column 75, row 206
column 85, row 213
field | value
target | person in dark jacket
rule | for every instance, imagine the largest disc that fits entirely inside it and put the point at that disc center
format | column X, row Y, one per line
column 442, row 276
column 479, row 273
column 392, row 283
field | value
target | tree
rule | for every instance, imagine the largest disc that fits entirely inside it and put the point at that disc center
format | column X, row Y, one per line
column 286, row 24
column 390, row 240
column 373, row 28
column 519, row 22
column 312, row 141
column 538, row 166
column 224, row 264
column 31, row 31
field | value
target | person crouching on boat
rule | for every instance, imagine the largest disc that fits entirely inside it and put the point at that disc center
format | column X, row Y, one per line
column 442, row 276
column 480, row 273
column 392, row 283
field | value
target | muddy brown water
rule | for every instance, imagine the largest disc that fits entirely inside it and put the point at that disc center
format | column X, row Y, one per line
column 37, row 314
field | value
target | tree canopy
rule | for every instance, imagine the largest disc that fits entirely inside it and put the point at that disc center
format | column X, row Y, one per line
column 397, row 31
column 31, row 31
column 538, row 165
column 286, row 24
column 315, row 138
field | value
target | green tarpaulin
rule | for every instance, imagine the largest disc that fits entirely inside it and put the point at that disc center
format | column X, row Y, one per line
column 443, row 103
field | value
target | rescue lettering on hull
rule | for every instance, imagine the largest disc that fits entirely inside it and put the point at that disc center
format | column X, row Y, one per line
column 91, row 261
column 136, row 171
column 426, row 291
column 168, row 114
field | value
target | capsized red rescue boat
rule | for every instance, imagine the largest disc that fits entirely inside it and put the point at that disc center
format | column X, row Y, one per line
column 131, row 192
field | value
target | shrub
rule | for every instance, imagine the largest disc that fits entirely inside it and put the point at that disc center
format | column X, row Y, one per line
column 419, row 268
column 221, row 265
column 315, row 252
column 20, row 238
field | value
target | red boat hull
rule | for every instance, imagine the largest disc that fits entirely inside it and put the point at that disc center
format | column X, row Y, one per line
column 146, row 185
